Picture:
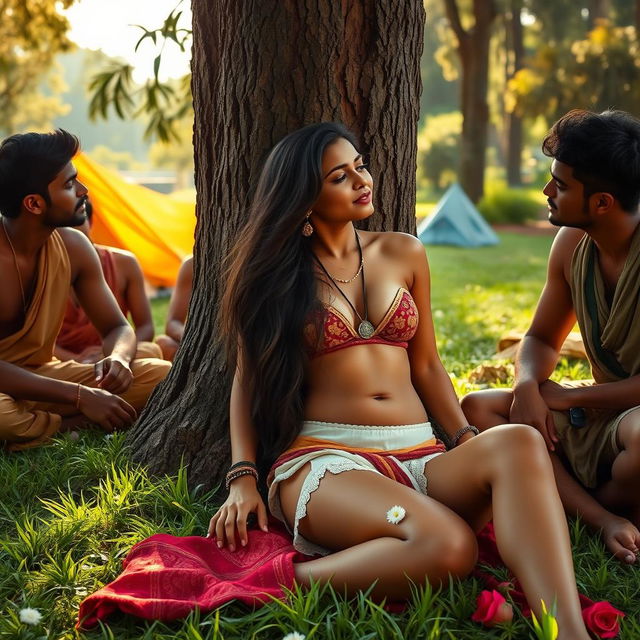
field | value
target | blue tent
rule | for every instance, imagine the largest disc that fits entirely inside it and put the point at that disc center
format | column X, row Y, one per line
column 456, row 221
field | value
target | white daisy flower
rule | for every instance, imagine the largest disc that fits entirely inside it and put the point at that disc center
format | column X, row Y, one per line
column 294, row 635
column 396, row 514
column 30, row 616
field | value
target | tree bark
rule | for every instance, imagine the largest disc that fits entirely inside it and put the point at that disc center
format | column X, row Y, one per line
column 473, row 49
column 598, row 10
column 514, row 124
column 260, row 70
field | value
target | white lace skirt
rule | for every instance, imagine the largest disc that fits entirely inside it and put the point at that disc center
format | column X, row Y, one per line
column 383, row 438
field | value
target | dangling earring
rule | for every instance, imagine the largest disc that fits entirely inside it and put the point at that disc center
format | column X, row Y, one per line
column 307, row 228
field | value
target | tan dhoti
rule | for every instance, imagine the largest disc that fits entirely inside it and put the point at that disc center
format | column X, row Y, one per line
column 25, row 424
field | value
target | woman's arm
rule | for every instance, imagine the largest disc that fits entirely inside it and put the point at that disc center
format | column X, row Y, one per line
column 428, row 375
column 244, row 498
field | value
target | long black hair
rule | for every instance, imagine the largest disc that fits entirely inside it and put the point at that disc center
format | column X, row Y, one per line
column 270, row 286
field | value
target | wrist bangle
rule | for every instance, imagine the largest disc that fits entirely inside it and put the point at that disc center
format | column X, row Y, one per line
column 78, row 396
column 243, row 463
column 238, row 473
column 460, row 432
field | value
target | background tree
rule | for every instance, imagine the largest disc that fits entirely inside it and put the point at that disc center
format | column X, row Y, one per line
column 32, row 32
column 473, row 50
column 165, row 105
column 596, row 72
column 514, row 62
column 261, row 70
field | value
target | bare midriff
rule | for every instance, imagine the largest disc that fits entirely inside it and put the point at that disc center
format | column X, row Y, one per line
column 364, row 384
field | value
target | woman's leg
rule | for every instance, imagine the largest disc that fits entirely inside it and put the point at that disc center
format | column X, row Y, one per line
column 347, row 514
column 509, row 468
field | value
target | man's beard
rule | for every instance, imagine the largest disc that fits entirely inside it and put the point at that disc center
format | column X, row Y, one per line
column 572, row 225
column 78, row 218
column 561, row 223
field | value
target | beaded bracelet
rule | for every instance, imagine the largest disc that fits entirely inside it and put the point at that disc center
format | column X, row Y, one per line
column 460, row 432
column 238, row 473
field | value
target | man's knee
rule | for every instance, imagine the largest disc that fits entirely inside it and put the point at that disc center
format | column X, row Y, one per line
column 147, row 374
column 629, row 435
column 168, row 346
column 149, row 371
column 148, row 350
column 22, row 426
column 483, row 408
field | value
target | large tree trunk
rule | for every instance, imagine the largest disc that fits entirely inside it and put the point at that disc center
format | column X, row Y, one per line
column 598, row 10
column 514, row 124
column 473, row 49
column 260, row 70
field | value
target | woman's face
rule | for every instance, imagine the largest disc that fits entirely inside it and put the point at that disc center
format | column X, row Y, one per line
column 347, row 186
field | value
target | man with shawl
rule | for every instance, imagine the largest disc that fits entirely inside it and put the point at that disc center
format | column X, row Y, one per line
column 592, row 429
column 78, row 339
column 40, row 259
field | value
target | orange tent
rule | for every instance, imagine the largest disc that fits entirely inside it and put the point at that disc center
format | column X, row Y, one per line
column 153, row 226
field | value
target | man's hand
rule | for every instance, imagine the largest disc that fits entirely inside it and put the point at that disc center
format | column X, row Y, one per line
column 113, row 374
column 105, row 409
column 622, row 539
column 529, row 407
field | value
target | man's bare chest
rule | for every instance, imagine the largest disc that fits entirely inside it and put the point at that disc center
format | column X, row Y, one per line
column 18, row 279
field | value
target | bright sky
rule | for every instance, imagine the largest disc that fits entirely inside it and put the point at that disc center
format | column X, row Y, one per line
column 105, row 25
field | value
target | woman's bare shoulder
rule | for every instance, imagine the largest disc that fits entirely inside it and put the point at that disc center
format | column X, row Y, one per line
column 393, row 242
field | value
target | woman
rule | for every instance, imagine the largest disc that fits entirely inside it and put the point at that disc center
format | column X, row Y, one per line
column 331, row 337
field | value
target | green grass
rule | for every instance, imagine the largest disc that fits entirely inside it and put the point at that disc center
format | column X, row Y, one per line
column 69, row 512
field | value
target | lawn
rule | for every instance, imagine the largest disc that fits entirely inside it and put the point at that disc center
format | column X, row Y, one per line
column 70, row 512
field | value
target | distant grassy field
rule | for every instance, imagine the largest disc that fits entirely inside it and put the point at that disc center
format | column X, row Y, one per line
column 70, row 512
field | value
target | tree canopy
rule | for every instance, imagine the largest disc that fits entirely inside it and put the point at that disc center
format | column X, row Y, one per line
column 32, row 33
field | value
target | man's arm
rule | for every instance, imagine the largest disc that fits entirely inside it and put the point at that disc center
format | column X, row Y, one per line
column 105, row 409
column 118, row 339
column 179, row 305
column 619, row 395
column 22, row 384
column 136, row 296
column 553, row 319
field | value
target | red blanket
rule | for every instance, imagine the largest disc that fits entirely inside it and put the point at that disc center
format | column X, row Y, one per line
column 165, row 577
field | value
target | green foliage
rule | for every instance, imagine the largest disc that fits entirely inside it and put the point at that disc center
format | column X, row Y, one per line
column 164, row 103
column 32, row 32
column 596, row 72
column 501, row 204
column 439, row 149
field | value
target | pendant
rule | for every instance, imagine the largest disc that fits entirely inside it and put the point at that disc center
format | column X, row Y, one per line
column 366, row 329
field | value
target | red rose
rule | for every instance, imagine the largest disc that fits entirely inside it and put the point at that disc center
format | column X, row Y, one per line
column 602, row 619
column 492, row 609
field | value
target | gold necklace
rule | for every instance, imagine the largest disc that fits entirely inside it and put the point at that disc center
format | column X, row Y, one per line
column 15, row 262
column 358, row 272
column 365, row 329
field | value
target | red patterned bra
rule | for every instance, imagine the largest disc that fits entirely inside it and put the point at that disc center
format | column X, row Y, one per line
column 398, row 326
